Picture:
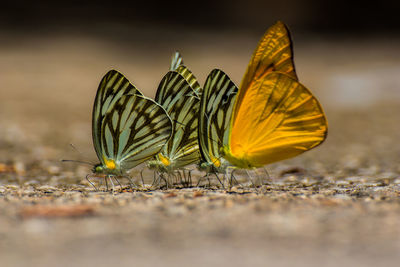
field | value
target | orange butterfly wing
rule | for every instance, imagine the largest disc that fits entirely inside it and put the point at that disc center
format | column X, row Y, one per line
column 273, row 53
column 278, row 118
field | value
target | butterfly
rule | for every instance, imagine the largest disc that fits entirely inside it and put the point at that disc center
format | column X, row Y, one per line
column 177, row 96
column 216, row 104
column 127, row 127
column 272, row 117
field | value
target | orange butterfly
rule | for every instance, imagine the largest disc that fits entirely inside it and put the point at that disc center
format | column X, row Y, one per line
column 274, row 116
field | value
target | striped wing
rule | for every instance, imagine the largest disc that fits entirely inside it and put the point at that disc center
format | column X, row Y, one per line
column 112, row 87
column 215, row 114
column 177, row 65
column 176, row 96
column 191, row 79
column 273, row 53
column 134, row 130
column 176, row 61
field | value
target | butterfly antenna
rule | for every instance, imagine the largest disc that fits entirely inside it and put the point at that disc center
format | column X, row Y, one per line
column 74, row 148
column 78, row 161
column 80, row 153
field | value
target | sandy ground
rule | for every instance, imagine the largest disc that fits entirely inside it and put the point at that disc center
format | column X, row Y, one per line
column 337, row 205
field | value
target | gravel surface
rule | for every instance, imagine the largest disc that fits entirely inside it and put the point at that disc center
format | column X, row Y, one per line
column 338, row 204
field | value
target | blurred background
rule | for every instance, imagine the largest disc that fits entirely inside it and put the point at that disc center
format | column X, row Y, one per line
column 54, row 53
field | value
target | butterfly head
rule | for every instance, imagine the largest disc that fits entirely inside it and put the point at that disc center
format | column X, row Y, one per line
column 108, row 167
column 98, row 168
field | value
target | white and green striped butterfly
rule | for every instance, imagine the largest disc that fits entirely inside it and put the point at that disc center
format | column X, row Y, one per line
column 218, row 98
column 177, row 96
column 128, row 128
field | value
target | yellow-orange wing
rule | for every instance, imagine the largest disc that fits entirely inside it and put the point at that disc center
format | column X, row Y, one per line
column 273, row 53
column 278, row 118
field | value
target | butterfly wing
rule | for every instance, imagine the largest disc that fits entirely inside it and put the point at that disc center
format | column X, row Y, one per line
column 191, row 79
column 278, row 118
column 273, row 53
column 177, row 98
column 134, row 130
column 178, row 66
column 215, row 115
column 176, row 61
column 112, row 87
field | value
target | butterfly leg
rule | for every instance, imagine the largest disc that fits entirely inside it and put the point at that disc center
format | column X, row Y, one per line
column 223, row 187
column 155, row 178
column 267, row 174
column 164, row 179
column 112, row 183
column 177, row 178
column 105, row 180
column 251, row 180
column 233, row 178
column 116, row 179
column 182, row 178
column 187, row 178
column 224, row 179
column 199, row 181
column 185, row 181
column 190, row 178
column 131, row 184
column 87, row 178
column 141, row 176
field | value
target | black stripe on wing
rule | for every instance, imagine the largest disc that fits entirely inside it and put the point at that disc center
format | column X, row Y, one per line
column 134, row 130
column 216, row 106
column 176, row 96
